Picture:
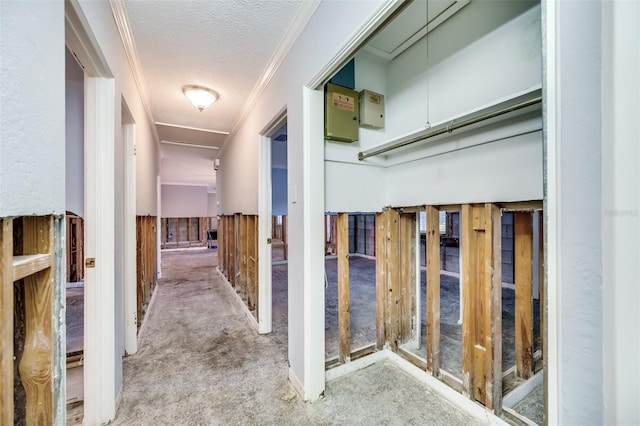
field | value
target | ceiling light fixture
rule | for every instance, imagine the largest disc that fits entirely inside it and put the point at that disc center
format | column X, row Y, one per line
column 200, row 96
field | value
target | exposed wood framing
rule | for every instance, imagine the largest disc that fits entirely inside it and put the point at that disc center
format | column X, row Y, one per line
column 238, row 255
column 482, row 305
column 392, row 320
column 146, row 262
column 523, row 259
column 381, row 277
column 195, row 236
column 243, row 253
column 252, row 258
column 342, row 225
column 522, row 205
column 36, row 366
column 388, row 278
column 222, row 245
column 75, row 248
column 433, row 289
column 6, row 321
column 407, row 296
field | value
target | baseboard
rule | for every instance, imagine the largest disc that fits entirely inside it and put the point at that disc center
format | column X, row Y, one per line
column 481, row 414
column 252, row 320
column 353, row 366
column 143, row 326
column 297, row 384
column 519, row 393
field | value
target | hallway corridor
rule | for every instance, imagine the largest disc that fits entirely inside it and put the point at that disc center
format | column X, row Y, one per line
column 201, row 363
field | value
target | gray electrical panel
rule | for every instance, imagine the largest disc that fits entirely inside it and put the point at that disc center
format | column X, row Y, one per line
column 371, row 110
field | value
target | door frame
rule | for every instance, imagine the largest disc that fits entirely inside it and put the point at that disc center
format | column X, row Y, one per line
column 129, row 292
column 265, row 292
column 99, row 192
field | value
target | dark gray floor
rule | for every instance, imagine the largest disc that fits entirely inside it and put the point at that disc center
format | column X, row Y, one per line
column 75, row 320
column 201, row 363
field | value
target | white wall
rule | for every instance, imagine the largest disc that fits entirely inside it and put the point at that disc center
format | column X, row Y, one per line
column 32, row 97
column 212, row 204
column 74, row 131
column 621, row 211
column 185, row 201
column 505, row 59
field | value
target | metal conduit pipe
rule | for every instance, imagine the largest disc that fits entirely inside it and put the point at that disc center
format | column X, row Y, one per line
column 450, row 128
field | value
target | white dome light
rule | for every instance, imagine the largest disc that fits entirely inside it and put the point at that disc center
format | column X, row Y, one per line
column 200, row 96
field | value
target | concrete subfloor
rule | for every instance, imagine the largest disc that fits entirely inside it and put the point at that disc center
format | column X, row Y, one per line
column 75, row 320
column 200, row 362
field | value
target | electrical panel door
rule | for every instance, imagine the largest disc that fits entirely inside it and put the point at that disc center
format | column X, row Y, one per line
column 341, row 110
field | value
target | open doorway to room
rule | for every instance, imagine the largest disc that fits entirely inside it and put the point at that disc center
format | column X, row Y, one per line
column 279, row 238
column 74, row 204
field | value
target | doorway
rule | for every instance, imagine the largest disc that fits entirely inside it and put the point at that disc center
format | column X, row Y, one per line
column 74, row 206
column 279, row 266
column 272, row 200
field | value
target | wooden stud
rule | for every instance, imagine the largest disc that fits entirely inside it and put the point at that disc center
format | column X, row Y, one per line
column 256, row 256
column 433, row 289
column 342, row 225
column 252, row 282
column 523, row 257
column 221, row 244
column 393, row 279
column 6, row 321
column 243, row 250
column 36, row 365
column 469, row 283
column 381, row 277
column 482, row 306
column 493, row 294
column 407, row 296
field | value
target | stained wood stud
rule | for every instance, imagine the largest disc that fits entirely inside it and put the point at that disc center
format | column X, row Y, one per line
column 433, row 289
column 393, row 278
column 342, row 227
column 6, row 321
column 36, row 365
column 523, row 260
column 482, row 306
column 407, row 296
column 381, row 278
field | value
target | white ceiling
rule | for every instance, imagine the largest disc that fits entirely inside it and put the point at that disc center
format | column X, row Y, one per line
column 225, row 45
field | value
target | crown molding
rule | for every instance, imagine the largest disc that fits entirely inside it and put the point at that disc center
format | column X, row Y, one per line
column 126, row 36
column 307, row 9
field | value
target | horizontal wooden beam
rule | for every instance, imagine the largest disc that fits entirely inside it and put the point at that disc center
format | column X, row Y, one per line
column 30, row 264
column 522, row 205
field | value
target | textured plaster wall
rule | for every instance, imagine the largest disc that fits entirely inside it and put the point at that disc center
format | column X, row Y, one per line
column 32, row 97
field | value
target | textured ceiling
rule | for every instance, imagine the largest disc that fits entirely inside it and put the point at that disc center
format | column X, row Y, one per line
column 221, row 44
column 225, row 45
